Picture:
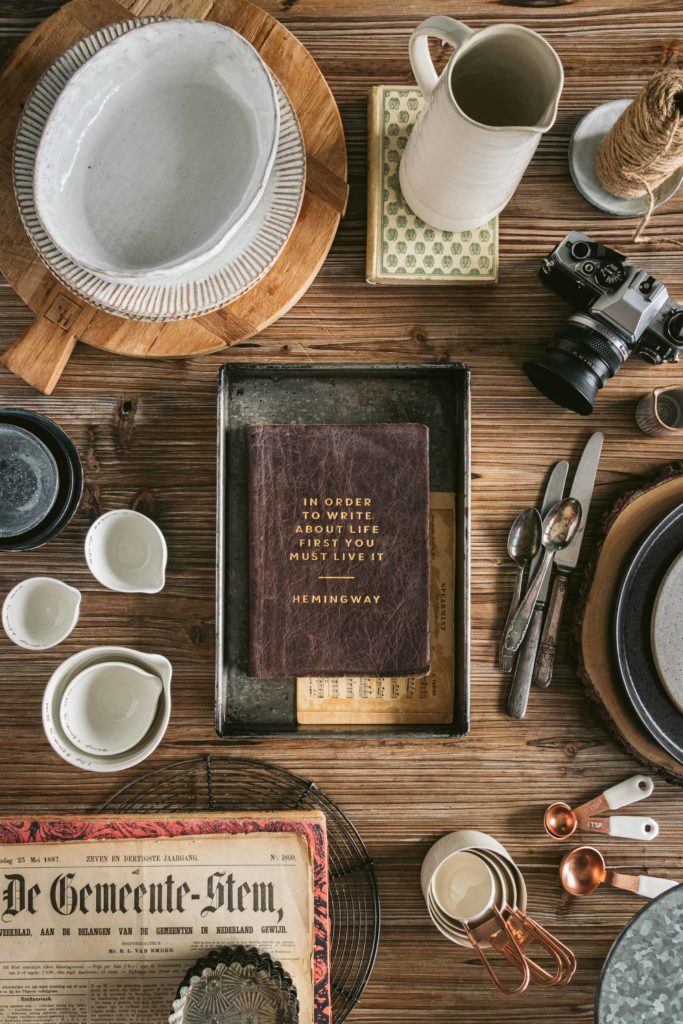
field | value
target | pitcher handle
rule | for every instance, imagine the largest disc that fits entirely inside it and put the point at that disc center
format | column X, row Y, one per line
column 448, row 30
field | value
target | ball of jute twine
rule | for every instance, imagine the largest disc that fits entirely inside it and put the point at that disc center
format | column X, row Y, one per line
column 645, row 146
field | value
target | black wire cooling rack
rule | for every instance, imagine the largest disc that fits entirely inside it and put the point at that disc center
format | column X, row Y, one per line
column 237, row 784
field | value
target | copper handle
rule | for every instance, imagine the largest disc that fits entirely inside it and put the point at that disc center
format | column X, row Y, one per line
column 513, row 955
column 592, row 823
column 618, row 881
column 647, row 886
column 598, row 805
column 522, row 929
column 545, row 662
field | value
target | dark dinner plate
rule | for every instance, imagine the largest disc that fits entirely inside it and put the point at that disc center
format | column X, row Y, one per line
column 70, row 479
column 632, row 620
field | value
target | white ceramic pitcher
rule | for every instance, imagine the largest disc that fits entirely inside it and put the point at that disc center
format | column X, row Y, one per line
column 483, row 120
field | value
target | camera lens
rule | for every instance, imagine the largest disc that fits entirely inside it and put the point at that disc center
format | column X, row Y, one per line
column 578, row 363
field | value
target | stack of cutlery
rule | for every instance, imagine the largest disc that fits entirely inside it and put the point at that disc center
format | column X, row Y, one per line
column 542, row 541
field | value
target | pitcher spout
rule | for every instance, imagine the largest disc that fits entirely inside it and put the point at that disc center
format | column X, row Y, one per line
column 549, row 117
column 554, row 75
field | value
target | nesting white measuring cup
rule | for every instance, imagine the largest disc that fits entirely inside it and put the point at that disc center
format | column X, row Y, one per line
column 463, row 887
column 476, row 897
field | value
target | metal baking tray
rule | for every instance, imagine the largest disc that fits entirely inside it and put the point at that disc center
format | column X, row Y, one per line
column 437, row 395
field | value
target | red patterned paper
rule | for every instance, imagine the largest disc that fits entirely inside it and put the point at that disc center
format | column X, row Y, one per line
column 61, row 830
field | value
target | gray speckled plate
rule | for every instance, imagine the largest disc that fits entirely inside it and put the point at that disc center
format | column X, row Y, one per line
column 642, row 980
column 588, row 134
column 667, row 632
column 29, row 480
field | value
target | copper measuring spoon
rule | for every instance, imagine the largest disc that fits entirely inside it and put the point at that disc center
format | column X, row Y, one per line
column 561, row 821
column 582, row 870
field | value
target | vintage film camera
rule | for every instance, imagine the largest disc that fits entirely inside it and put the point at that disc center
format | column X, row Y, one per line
column 619, row 310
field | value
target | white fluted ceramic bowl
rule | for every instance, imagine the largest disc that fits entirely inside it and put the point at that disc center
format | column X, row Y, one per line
column 158, row 149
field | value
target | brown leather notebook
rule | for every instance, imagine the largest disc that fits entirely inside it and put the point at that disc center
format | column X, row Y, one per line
column 339, row 549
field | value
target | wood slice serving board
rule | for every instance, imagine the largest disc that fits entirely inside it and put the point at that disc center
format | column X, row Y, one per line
column 62, row 318
column 633, row 516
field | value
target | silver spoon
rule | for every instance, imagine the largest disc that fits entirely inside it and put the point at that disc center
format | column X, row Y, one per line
column 524, row 540
column 559, row 526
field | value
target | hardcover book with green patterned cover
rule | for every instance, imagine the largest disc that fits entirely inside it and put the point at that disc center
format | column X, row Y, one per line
column 401, row 248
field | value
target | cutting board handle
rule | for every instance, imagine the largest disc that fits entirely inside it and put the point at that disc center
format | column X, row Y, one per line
column 40, row 355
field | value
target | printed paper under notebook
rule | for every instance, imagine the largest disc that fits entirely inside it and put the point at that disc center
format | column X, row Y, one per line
column 401, row 248
column 339, row 549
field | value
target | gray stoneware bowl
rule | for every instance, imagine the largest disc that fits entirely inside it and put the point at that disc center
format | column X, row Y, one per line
column 58, row 511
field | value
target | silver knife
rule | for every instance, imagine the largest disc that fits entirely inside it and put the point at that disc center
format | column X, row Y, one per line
column 518, row 696
column 565, row 560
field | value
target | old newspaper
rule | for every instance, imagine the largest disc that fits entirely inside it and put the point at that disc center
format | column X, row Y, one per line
column 103, row 932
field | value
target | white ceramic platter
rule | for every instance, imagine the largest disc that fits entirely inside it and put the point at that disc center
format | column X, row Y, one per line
column 238, row 265
column 157, row 149
column 667, row 632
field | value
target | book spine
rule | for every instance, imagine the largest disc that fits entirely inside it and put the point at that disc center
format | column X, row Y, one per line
column 373, row 245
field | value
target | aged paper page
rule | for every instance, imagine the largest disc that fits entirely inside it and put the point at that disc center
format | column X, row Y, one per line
column 354, row 700
column 104, row 932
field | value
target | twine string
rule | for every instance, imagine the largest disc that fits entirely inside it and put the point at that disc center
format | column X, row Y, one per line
column 645, row 145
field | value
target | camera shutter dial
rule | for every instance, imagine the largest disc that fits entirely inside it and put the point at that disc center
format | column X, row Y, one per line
column 610, row 275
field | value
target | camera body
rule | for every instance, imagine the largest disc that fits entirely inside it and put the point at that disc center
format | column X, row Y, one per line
column 619, row 309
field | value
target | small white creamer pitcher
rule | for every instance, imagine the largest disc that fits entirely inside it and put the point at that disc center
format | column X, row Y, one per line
column 483, row 120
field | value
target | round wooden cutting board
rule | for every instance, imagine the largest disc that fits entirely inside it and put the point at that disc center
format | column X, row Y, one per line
column 62, row 318
column 631, row 519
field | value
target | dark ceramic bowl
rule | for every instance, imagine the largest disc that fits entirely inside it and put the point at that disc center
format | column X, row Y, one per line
column 70, row 473
column 29, row 481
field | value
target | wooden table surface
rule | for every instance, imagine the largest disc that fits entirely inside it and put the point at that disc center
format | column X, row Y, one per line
column 146, row 434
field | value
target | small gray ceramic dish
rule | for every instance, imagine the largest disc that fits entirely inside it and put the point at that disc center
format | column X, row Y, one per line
column 29, row 480
column 588, row 134
column 70, row 479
